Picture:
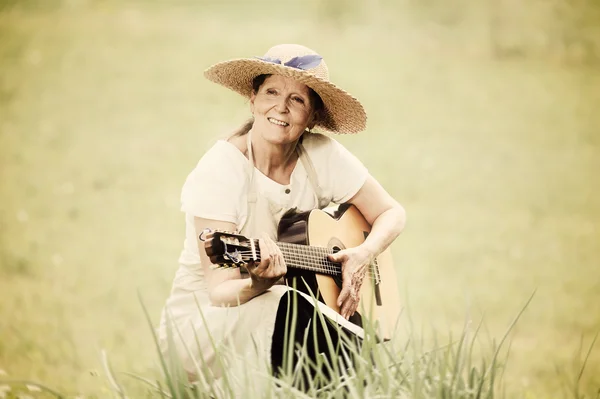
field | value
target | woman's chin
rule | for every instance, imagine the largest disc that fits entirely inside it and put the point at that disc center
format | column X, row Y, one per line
column 279, row 135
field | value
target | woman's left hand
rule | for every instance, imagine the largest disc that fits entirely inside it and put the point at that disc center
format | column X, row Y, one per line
column 355, row 262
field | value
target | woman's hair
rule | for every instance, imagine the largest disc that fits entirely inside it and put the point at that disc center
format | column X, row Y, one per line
column 315, row 100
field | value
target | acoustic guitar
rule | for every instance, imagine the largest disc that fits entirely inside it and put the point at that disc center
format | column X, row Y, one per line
column 305, row 239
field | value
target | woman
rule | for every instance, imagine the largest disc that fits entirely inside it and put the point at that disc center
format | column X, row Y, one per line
column 246, row 183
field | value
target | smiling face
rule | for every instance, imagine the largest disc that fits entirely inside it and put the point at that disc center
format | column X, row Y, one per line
column 282, row 109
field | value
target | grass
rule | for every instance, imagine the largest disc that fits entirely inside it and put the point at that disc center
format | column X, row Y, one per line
column 488, row 137
column 379, row 370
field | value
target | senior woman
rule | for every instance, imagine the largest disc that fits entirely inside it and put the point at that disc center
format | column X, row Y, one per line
column 246, row 183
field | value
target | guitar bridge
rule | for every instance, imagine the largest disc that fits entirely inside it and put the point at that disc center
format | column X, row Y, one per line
column 376, row 281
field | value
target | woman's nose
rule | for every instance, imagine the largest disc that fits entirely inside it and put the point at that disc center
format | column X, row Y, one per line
column 281, row 105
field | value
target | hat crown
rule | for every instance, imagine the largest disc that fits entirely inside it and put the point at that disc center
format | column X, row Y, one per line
column 285, row 52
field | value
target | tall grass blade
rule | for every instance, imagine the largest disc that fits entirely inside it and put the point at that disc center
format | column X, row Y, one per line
column 175, row 372
column 154, row 385
column 503, row 339
column 458, row 364
column 111, row 377
column 587, row 356
column 225, row 376
column 157, row 345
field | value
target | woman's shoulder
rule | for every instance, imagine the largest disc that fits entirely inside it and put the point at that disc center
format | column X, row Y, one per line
column 215, row 187
column 239, row 143
column 223, row 155
column 218, row 176
column 323, row 148
column 222, row 164
column 327, row 153
column 317, row 144
column 316, row 140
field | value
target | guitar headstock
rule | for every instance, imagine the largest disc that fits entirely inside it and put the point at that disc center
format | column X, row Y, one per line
column 230, row 249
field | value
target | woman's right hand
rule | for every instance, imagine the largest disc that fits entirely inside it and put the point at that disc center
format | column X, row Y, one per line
column 271, row 267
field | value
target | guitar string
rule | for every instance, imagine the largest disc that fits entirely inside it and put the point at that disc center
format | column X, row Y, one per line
column 302, row 253
column 310, row 249
column 330, row 269
column 317, row 262
column 314, row 254
column 307, row 249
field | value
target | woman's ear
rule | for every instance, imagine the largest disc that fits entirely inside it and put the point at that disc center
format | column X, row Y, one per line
column 316, row 115
column 252, row 97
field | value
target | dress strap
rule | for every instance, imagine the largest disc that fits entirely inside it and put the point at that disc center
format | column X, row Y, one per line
column 310, row 172
column 251, row 188
column 252, row 196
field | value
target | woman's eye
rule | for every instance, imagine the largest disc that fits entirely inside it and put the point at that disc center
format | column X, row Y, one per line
column 271, row 91
column 298, row 100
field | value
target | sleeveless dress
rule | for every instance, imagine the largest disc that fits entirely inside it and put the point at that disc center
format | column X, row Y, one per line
column 200, row 334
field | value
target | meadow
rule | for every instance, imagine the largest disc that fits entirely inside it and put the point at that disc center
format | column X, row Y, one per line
column 483, row 123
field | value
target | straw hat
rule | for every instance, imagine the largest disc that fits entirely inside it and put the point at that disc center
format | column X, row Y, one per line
column 343, row 112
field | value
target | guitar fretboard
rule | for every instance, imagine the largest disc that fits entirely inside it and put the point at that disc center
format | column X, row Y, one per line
column 306, row 257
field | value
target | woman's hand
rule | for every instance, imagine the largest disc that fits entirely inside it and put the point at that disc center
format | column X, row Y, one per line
column 355, row 262
column 271, row 267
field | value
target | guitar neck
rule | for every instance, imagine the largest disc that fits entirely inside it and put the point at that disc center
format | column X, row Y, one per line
column 307, row 257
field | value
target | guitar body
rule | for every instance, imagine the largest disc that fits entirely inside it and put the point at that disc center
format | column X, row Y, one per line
column 346, row 228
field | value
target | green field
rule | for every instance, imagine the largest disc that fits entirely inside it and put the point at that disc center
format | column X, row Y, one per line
column 483, row 123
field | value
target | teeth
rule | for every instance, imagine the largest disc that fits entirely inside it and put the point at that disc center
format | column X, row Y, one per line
column 276, row 122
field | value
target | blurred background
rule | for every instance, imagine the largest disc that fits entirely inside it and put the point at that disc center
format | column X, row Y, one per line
column 483, row 123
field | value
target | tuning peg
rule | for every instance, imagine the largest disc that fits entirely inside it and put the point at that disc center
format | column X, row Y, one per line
column 204, row 234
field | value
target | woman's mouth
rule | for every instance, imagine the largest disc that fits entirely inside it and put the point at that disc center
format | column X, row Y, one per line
column 277, row 122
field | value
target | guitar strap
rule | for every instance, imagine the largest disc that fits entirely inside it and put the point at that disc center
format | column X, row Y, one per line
column 252, row 194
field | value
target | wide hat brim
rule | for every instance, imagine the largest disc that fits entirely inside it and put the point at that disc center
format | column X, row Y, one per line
column 344, row 114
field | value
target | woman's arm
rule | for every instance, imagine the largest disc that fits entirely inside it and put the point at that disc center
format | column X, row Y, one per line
column 385, row 215
column 387, row 218
column 225, row 285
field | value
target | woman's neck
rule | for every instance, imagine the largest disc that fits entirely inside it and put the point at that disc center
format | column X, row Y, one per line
column 274, row 160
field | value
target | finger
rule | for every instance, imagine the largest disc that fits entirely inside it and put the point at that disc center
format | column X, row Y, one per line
column 268, row 241
column 343, row 310
column 346, row 309
column 353, row 303
column 344, row 294
column 338, row 257
column 273, row 252
column 353, row 307
column 273, row 267
column 351, row 300
column 282, row 269
column 279, row 253
column 346, row 288
column 265, row 254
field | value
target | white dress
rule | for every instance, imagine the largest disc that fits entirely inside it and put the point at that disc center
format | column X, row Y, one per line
column 225, row 186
